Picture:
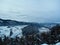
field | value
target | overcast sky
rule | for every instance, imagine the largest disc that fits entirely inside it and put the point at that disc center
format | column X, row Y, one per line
column 30, row 10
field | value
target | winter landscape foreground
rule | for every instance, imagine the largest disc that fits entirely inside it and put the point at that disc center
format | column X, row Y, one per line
column 15, row 33
column 29, row 33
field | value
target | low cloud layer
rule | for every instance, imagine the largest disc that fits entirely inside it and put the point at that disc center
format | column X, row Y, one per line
column 30, row 10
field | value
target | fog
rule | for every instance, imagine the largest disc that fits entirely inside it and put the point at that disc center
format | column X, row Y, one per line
column 30, row 10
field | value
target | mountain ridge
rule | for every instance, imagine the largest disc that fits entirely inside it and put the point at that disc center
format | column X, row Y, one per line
column 8, row 22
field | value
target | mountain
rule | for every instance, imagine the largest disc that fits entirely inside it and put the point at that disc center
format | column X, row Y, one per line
column 4, row 22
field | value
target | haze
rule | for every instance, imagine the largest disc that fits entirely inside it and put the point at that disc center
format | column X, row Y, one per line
column 40, row 11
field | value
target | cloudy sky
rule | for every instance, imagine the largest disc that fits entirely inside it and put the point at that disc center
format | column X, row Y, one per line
column 30, row 10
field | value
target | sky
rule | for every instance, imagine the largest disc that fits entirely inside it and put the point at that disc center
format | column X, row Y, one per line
column 40, row 11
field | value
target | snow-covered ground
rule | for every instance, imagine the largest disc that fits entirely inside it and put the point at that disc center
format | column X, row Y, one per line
column 5, row 30
column 17, row 31
column 58, row 43
column 43, row 29
column 55, row 44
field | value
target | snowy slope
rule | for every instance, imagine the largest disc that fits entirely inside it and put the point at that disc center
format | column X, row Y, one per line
column 43, row 29
column 55, row 44
column 4, row 30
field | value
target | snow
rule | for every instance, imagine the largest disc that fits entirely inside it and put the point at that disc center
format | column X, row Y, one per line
column 55, row 44
column 58, row 43
column 17, row 31
column 44, row 44
column 4, row 30
column 43, row 29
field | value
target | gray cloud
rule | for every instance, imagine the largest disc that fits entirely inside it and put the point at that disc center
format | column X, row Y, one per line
column 30, row 10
